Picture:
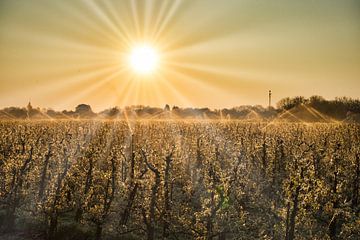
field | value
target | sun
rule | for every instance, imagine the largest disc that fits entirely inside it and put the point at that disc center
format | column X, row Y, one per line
column 144, row 59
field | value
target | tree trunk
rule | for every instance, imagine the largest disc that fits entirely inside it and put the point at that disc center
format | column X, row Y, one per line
column 10, row 218
column 52, row 226
column 16, row 185
column 88, row 182
column 132, row 160
column 131, row 198
column 292, row 219
column 43, row 174
column 334, row 226
column 166, row 219
column 54, row 210
column 355, row 193
column 98, row 232
column 154, row 190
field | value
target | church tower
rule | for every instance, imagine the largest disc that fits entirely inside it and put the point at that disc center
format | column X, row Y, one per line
column 29, row 109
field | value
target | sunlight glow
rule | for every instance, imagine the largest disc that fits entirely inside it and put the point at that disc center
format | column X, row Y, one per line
column 144, row 59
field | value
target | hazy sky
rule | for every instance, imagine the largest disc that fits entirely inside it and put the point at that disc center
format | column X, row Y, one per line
column 213, row 53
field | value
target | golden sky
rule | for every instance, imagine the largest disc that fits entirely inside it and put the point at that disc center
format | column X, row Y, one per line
column 212, row 53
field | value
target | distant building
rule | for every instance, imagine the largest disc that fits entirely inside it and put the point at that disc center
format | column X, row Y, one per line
column 84, row 111
column 83, row 108
column 167, row 107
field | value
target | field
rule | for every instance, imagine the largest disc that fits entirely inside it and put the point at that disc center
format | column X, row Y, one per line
column 179, row 180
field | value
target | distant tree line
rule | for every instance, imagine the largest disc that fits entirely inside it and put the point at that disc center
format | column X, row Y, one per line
column 84, row 111
column 341, row 108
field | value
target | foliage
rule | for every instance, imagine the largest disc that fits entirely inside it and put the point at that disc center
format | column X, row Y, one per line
column 179, row 180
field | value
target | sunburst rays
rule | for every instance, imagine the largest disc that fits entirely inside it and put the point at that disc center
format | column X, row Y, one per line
column 95, row 45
